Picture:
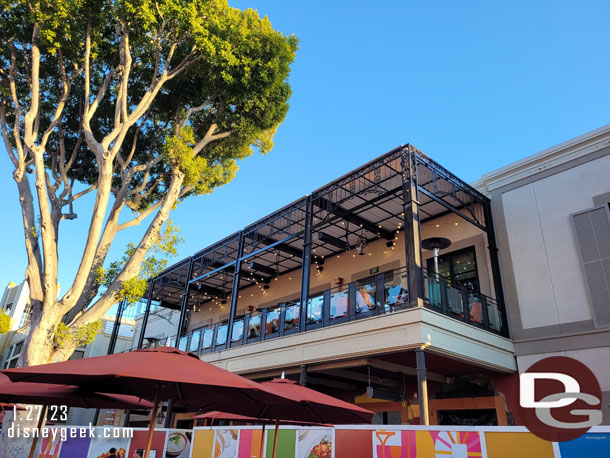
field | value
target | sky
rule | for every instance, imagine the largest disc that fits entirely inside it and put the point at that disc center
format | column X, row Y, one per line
column 473, row 84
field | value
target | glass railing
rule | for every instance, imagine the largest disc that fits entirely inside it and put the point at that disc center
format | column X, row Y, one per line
column 472, row 307
column 292, row 317
column 379, row 294
column 338, row 304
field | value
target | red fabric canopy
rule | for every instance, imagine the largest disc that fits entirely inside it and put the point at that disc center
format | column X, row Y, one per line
column 163, row 371
column 68, row 395
column 314, row 407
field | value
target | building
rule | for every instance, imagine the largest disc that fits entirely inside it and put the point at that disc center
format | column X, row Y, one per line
column 341, row 290
column 551, row 212
column 15, row 303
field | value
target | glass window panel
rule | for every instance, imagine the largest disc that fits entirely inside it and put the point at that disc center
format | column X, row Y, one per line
column 314, row 309
column 208, row 335
column 365, row 295
column 338, row 305
column 221, row 337
column 182, row 344
column 273, row 319
column 237, row 334
column 396, row 290
column 475, row 306
column 171, row 342
column 195, row 339
column 291, row 320
column 254, row 326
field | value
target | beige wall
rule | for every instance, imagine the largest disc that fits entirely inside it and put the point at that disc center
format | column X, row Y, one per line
column 548, row 277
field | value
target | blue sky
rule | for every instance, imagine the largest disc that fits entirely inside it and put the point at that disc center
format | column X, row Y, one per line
column 473, row 84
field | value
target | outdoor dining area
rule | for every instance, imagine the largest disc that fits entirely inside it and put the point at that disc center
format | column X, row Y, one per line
column 143, row 379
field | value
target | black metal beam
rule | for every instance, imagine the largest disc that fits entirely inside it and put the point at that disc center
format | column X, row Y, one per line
column 306, row 262
column 348, row 216
column 453, row 209
column 212, row 291
column 412, row 229
column 115, row 328
column 326, row 238
column 280, row 246
column 495, row 267
column 259, row 268
column 183, row 305
column 235, row 290
column 151, row 290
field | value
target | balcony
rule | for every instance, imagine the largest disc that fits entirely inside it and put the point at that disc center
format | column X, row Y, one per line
column 381, row 294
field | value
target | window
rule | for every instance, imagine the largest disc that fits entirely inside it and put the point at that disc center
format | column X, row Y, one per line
column 26, row 315
column 459, row 267
column 592, row 228
column 13, row 355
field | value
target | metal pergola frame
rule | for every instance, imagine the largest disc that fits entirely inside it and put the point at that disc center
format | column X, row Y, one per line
column 391, row 194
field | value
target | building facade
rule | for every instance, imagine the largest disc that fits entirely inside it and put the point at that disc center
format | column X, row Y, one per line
column 341, row 290
column 552, row 218
column 16, row 304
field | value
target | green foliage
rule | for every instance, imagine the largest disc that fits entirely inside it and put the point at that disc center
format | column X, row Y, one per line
column 156, row 260
column 241, row 66
column 6, row 322
column 66, row 335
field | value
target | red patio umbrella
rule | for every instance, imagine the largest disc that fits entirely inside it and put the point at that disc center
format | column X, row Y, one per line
column 313, row 406
column 158, row 374
column 45, row 394
column 68, row 395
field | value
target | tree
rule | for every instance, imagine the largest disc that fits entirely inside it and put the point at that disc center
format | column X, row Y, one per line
column 142, row 103
column 6, row 322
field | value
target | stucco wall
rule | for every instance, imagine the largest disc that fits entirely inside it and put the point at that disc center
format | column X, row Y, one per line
column 549, row 282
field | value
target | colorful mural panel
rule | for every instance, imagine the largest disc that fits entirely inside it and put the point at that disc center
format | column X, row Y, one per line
column 250, row 443
column 315, row 443
column 522, row 445
column 286, row 443
column 50, row 446
column 590, row 445
column 178, row 444
column 226, row 443
column 73, row 447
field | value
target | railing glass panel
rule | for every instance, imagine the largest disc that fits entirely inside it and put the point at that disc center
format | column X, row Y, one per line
column 254, row 327
column 272, row 325
column 291, row 317
column 396, row 291
column 237, row 335
column 195, row 340
column 221, row 336
column 366, row 290
column 314, row 309
column 338, row 304
column 208, row 335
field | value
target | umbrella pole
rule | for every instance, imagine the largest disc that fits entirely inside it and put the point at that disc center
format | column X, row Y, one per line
column 277, row 427
column 151, row 428
column 260, row 455
column 43, row 414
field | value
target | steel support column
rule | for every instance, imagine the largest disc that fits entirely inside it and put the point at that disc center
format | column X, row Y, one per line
column 184, row 303
column 412, row 232
column 495, row 266
column 422, row 387
column 306, row 262
column 151, row 291
column 115, row 328
column 303, row 377
column 235, row 290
